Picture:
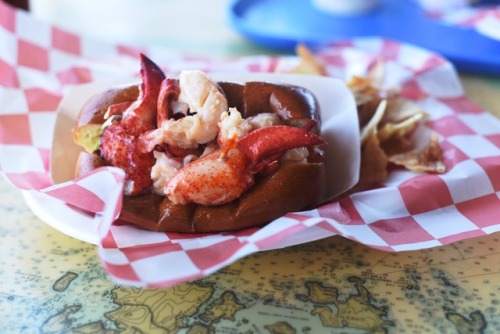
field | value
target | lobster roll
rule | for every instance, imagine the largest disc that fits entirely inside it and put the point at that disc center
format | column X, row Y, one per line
column 204, row 156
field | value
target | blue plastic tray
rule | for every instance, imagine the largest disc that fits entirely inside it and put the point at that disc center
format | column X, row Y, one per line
column 281, row 24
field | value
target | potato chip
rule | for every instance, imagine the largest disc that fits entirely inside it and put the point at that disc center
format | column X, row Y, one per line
column 400, row 109
column 363, row 90
column 397, row 145
column 427, row 159
column 366, row 111
column 394, row 119
column 400, row 129
column 372, row 126
column 309, row 64
column 373, row 169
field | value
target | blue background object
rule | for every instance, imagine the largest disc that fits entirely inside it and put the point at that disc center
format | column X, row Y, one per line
column 281, row 24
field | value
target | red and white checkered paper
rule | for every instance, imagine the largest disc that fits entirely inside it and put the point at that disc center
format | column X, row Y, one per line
column 484, row 19
column 38, row 63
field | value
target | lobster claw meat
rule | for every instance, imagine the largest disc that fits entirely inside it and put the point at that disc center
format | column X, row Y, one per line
column 168, row 93
column 268, row 144
column 141, row 115
column 120, row 145
column 226, row 173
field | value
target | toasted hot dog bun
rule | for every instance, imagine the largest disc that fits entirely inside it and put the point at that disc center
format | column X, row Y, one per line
column 294, row 186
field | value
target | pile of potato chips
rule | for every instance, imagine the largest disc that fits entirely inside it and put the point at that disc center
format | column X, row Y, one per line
column 387, row 122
